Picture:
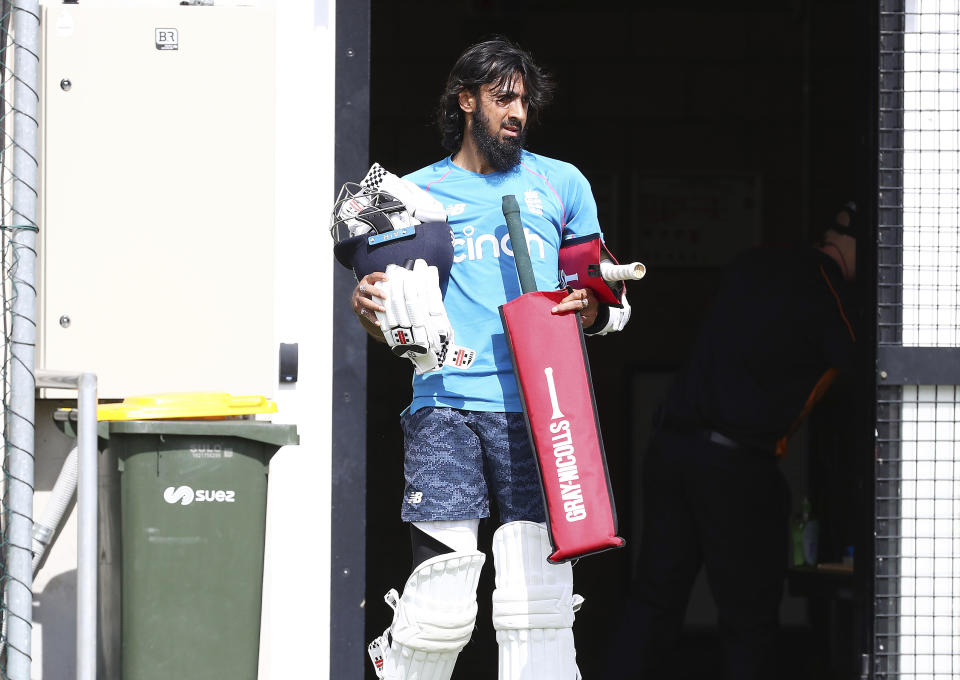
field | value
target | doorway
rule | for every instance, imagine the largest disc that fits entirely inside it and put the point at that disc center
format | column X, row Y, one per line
column 703, row 128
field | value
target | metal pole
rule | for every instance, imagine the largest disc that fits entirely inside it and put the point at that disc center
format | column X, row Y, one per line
column 87, row 528
column 87, row 500
column 20, row 406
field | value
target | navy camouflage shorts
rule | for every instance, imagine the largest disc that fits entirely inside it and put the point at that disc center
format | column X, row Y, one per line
column 457, row 461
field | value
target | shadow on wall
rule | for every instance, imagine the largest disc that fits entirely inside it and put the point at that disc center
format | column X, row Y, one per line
column 55, row 612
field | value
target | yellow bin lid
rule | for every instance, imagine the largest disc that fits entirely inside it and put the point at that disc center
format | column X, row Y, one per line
column 184, row 405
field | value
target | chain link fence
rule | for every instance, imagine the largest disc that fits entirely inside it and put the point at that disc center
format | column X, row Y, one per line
column 19, row 108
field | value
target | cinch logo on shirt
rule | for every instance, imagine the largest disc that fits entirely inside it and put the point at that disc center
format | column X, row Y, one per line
column 487, row 244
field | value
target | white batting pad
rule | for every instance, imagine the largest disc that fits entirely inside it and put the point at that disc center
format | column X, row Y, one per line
column 533, row 606
column 433, row 619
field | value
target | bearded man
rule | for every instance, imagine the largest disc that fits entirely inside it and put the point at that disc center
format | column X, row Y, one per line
column 465, row 437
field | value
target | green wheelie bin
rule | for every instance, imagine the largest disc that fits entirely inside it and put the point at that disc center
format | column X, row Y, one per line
column 193, row 499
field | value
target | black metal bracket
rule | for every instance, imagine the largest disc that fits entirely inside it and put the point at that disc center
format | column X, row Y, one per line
column 918, row 365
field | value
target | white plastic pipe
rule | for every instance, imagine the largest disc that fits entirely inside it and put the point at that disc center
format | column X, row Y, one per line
column 47, row 525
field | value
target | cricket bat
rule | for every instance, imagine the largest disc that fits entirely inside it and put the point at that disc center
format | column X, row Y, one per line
column 553, row 375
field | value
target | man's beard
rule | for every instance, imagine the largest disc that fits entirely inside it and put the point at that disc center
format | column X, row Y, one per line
column 501, row 154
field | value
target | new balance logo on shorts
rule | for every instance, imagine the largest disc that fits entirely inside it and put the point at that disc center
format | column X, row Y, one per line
column 415, row 497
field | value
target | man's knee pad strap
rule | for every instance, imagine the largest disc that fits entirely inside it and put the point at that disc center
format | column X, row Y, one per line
column 429, row 539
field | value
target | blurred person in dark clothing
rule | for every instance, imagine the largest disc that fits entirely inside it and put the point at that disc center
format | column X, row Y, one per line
column 713, row 493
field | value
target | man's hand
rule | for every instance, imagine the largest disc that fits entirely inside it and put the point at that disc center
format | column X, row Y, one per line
column 367, row 300
column 582, row 300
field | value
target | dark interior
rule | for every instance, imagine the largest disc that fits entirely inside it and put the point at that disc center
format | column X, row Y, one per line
column 703, row 128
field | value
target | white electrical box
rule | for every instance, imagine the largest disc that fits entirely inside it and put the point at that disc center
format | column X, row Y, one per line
column 157, row 218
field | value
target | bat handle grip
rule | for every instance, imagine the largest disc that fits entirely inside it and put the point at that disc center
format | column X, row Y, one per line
column 518, row 241
column 622, row 272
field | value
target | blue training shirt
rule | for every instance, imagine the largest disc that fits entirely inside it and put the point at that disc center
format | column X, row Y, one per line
column 555, row 203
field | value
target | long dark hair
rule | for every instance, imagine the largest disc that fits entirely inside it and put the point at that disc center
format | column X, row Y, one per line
column 496, row 62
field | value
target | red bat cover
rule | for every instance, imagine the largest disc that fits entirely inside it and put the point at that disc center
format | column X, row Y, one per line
column 553, row 374
column 580, row 264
